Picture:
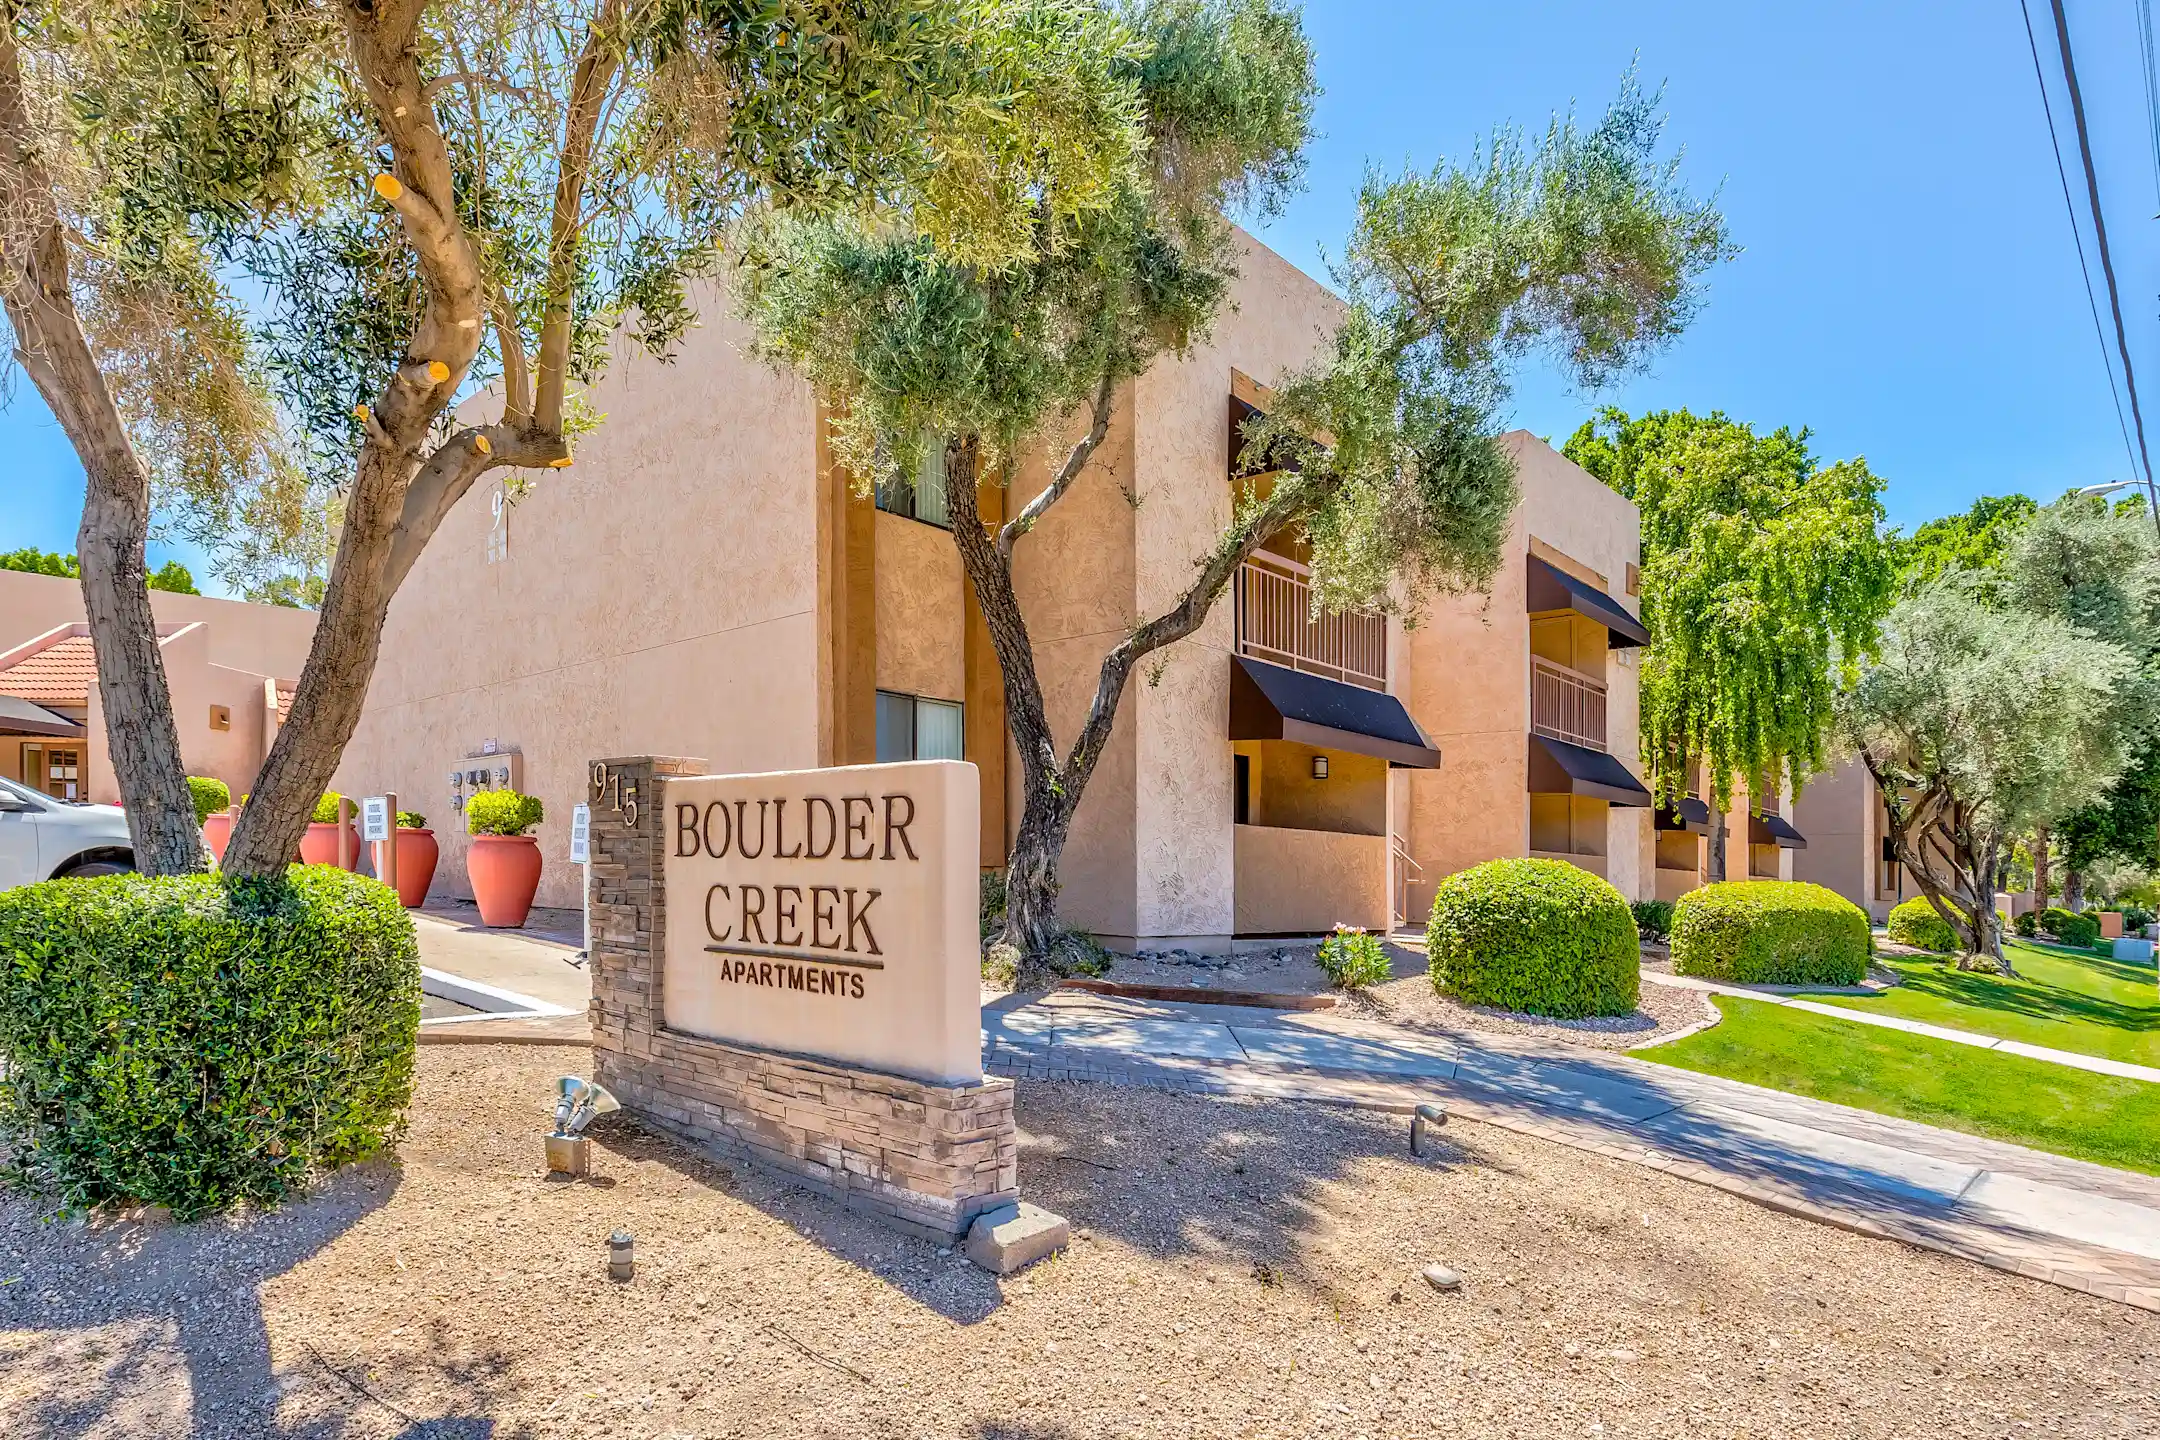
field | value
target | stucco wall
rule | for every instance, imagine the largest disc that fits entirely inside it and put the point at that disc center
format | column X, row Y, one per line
column 1353, row 799
column 267, row 639
column 1836, row 812
column 1302, row 882
column 921, row 610
column 658, row 597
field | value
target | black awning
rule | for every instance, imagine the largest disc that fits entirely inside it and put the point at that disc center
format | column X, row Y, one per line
column 1268, row 702
column 1551, row 588
column 22, row 717
column 1558, row 768
column 1687, row 813
column 1774, row 830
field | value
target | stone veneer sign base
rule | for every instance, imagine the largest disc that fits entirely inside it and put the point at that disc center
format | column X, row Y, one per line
column 784, row 970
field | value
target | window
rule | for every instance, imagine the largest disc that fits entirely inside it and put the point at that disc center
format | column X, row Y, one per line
column 917, row 490
column 912, row 728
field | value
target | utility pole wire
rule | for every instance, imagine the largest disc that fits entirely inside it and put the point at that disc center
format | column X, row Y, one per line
column 2077, row 236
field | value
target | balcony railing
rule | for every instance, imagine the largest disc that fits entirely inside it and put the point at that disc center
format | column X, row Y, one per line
column 1275, row 623
column 1566, row 704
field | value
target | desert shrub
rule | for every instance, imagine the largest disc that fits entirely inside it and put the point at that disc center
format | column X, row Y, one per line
column 1770, row 932
column 268, row 1030
column 210, row 796
column 326, row 808
column 1653, row 918
column 411, row 820
column 2072, row 929
column 1537, row 936
column 1353, row 959
column 2026, row 925
column 2136, row 917
column 502, row 812
column 1914, row 922
column 991, row 911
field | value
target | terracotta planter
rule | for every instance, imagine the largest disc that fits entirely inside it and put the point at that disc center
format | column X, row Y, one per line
column 505, row 871
column 217, row 832
column 320, row 845
column 417, row 853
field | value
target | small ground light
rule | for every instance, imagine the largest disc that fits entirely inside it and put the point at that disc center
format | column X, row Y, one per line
column 577, row 1101
column 1421, row 1117
column 621, row 1256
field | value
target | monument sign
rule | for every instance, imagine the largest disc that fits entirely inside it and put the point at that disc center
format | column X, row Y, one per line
column 785, row 968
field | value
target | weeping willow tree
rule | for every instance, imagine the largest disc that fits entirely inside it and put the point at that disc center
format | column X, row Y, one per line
column 433, row 195
column 1765, row 579
column 1384, row 451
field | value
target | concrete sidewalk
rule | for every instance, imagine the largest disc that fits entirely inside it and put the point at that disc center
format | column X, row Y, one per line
column 1786, row 995
column 2084, row 1226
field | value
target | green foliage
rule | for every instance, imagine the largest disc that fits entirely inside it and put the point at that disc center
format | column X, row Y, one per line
column 40, row 562
column 326, row 808
column 1914, row 922
column 2068, row 926
column 174, row 577
column 269, row 1030
column 1975, row 540
column 1352, row 959
column 1764, row 577
column 1537, row 936
column 1653, row 918
column 1770, row 932
column 502, row 812
column 992, row 903
column 210, row 796
column 411, row 820
column 2026, row 925
column 2136, row 917
column 293, row 592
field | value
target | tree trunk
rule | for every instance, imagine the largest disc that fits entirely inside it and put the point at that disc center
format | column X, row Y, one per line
column 142, row 741
column 1717, row 847
column 2073, row 888
column 2042, row 879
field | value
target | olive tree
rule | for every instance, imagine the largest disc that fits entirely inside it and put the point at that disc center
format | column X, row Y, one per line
column 440, row 193
column 1384, row 451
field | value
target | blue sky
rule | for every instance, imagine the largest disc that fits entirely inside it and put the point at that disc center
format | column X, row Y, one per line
column 1907, row 287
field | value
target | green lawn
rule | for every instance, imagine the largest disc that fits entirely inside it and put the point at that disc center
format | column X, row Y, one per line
column 1983, row 1092
column 2064, row 999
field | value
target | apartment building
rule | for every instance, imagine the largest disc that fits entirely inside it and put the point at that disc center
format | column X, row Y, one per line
column 228, row 665
column 705, row 581
column 1848, row 827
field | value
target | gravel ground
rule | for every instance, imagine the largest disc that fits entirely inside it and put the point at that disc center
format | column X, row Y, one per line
column 1408, row 999
column 1241, row 1269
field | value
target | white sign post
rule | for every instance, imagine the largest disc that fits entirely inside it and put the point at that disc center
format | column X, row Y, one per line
column 375, row 818
column 581, row 854
column 378, row 818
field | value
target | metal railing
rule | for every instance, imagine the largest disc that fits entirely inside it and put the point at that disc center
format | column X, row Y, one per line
column 1407, row 873
column 1275, row 623
column 1566, row 704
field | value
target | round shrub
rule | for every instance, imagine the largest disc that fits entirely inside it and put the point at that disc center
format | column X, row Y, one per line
column 1536, row 936
column 210, row 796
column 1352, row 958
column 2068, row 926
column 194, row 1041
column 1770, row 932
column 326, row 809
column 1915, row 923
column 1653, row 918
column 502, row 812
column 2027, row 925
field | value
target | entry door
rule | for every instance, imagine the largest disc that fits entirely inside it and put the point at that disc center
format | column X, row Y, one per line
column 57, row 772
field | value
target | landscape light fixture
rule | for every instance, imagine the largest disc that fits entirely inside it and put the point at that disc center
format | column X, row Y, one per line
column 1319, row 767
column 577, row 1101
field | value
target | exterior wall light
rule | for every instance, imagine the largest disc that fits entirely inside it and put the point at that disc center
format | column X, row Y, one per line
column 1319, row 767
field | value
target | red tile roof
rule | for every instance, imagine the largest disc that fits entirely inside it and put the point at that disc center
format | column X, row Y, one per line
column 59, row 674
column 285, row 689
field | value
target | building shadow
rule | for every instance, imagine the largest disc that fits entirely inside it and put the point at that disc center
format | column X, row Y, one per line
column 114, row 1312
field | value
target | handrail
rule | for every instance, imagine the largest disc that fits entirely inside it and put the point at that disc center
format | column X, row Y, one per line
column 1566, row 704
column 1276, row 623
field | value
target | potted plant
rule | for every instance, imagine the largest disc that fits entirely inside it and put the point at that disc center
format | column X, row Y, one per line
column 504, row 862
column 320, row 845
column 417, row 853
column 213, row 799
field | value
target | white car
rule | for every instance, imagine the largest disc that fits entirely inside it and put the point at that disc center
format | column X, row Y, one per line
column 42, row 838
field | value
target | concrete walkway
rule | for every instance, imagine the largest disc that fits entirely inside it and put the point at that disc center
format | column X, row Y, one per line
column 1785, row 995
column 2083, row 1226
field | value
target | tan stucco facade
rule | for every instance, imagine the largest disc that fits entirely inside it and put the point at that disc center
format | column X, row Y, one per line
column 222, row 660
column 705, row 581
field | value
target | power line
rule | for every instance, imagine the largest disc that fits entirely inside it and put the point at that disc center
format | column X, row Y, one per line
column 2077, row 236
column 2107, row 263
column 2152, row 89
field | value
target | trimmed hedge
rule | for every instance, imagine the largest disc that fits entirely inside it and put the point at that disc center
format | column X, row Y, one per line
column 1915, row 923
column 194, row 1041
column 1653, row 918
column 2068, row 926
column 1770, row 932
column 1537, row 936
column 210, row 796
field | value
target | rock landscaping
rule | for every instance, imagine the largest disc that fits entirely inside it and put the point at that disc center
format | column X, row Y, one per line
column 1237, row 1269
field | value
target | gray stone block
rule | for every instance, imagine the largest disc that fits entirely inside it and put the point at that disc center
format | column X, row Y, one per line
column 1012, row 1236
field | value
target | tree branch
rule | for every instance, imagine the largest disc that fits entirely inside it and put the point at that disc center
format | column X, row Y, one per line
column 1075, row 462
column 447, row 474
column 597, row 67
